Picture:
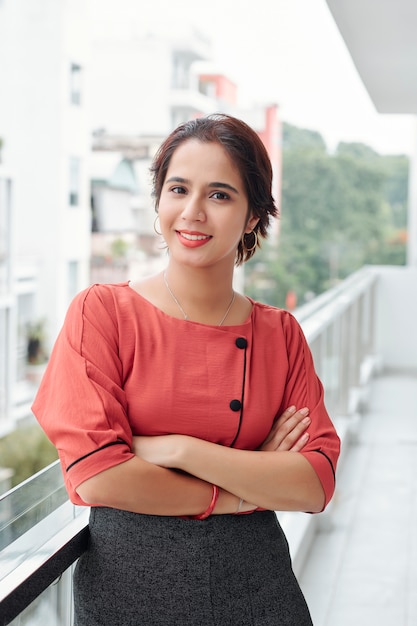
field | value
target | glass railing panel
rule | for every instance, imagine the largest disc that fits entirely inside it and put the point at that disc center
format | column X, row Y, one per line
column 29, row 548
column 30, row 515
column 30, row 502
column 36, row 561
column 52, row 607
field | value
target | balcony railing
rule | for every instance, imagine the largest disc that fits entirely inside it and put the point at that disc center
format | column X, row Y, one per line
column 42, row 534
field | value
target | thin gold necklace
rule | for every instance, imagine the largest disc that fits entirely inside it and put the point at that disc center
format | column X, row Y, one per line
column 182, row 310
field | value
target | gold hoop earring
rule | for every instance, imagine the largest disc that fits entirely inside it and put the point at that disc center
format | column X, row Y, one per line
column 255, row 243
column 154, row 226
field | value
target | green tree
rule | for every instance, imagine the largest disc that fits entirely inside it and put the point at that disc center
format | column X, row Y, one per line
column 119, row 248
column 294, row 137
column 338, row 213
column 356, row 150
column 26, row 451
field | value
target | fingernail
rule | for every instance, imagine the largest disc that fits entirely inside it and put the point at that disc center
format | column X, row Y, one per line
column 304, row 411
column 291, row 409
column 306, row 420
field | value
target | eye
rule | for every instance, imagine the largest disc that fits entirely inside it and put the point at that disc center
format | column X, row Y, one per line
column 220, row 195
column 177, row 189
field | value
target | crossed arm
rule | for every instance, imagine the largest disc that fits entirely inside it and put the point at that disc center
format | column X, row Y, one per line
column 173, row 474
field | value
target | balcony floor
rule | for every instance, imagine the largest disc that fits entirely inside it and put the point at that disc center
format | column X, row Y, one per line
column 362, row 568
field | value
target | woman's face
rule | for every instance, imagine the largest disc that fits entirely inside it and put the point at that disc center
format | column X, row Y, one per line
column 203, row 206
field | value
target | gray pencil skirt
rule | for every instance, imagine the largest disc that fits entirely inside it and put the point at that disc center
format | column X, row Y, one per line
column 227, row 570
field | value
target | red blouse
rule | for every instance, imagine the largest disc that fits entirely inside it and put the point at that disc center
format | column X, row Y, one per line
column 122, row 367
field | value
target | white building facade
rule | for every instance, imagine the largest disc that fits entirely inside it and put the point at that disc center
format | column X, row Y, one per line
column 44, row 127
column 84, row 104
column 143, row 84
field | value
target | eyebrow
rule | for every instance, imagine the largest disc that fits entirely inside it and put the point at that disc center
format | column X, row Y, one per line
column 214, row 185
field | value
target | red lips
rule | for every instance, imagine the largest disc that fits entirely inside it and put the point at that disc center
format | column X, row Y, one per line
column 192, row 239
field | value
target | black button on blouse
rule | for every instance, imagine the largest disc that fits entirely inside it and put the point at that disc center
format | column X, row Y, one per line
column 235, row 405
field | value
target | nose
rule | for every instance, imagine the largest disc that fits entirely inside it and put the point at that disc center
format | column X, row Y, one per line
column 193, row 209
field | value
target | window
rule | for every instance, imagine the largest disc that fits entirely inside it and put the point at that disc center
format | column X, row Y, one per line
column 74, row 181
column 73, row 273
column 75, row 84
column 180, row 72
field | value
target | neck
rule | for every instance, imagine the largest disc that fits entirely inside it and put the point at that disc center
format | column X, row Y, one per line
column 202, row 285
column 199, row 295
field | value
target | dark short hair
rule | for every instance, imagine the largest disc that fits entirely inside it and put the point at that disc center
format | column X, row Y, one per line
column 246, row 150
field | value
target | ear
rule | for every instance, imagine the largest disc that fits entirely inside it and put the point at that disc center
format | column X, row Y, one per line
column 251, row 223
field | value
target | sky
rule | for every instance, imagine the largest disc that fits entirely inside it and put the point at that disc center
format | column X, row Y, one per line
column 289, row 52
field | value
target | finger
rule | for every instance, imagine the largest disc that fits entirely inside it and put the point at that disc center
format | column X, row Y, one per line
column 292, row 428
column 299, row 445
column 284, row 417
column 290, row 418
column 294, row 435
column 284, row 436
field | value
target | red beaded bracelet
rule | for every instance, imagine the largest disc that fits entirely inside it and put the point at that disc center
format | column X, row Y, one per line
column 211, row 506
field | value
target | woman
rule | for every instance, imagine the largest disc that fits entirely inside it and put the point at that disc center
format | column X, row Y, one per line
column 166, row 400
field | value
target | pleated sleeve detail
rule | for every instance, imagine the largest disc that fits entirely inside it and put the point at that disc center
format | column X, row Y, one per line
column 81, row 404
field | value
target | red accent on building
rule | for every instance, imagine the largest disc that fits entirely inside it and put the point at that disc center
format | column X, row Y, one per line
column 219, row 87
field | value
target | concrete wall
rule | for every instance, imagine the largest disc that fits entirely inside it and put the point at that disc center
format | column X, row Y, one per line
column 396, row 317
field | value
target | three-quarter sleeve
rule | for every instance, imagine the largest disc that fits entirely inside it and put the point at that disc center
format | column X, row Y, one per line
column 304, row 388
column 81, row 404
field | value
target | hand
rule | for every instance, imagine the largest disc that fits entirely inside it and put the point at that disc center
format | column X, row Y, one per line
column 159, row 450
column 162, row 450
column 288, row 432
